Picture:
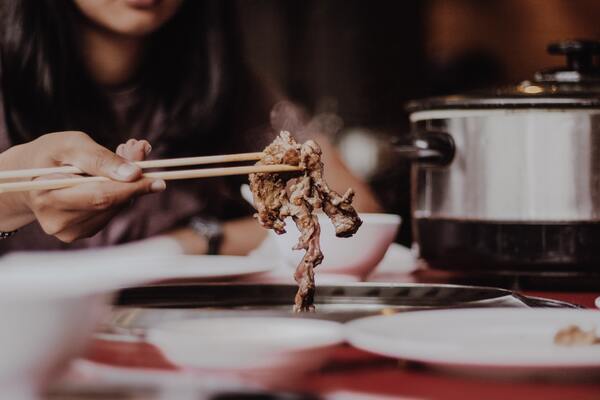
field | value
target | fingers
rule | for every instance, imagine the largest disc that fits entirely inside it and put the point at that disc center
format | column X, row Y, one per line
column 103, row 196
column 68, row 226
column 85, row 228
column 134, row 150
column 78, row 149
column 81, row 211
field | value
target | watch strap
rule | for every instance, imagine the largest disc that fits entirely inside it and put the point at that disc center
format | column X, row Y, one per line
column 6, row 235
column 211, row 230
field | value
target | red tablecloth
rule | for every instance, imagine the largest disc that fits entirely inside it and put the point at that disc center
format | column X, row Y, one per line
column 357, row 371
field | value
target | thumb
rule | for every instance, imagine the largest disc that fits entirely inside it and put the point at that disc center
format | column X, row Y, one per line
column 94, row 159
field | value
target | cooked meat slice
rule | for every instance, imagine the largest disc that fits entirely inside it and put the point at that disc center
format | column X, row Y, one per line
column 277, row 198
column 573, row 335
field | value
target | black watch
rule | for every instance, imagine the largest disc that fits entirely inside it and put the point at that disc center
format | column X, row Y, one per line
column 6, row 235
column 209, row 229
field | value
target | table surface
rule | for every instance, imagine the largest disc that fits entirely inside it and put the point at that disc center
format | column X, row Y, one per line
column 354, row 371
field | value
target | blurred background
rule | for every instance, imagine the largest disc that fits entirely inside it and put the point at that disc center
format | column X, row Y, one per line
column 355, row 62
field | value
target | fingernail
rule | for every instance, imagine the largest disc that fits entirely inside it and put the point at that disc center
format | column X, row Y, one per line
column 158, row 186
column 148, row 148
column 126, row 171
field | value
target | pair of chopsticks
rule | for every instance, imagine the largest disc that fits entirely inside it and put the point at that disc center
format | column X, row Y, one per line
column 24, row 186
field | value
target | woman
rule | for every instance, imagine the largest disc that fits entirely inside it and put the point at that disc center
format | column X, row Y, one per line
column 163, row 71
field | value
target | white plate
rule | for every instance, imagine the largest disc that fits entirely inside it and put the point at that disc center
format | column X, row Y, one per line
column 211, row 268
column 478, row 337
column 275, row 348
column 115, row 269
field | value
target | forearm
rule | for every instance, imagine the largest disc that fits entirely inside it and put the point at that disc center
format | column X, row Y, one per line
column 339, row 177
column 241, row 236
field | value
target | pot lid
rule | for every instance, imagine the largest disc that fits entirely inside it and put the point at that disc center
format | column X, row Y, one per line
column 575, row 85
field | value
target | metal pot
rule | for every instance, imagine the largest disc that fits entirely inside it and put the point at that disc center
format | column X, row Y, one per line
column 509, row 180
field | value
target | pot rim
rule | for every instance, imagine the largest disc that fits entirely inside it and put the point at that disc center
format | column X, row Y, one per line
column 472, row 102
column 425, row 115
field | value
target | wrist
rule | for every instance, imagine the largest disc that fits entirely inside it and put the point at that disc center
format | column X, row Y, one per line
column 210, row 230
column 6, row 235
column 15, row 212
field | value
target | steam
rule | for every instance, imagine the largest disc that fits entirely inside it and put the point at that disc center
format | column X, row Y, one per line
column 287, row 116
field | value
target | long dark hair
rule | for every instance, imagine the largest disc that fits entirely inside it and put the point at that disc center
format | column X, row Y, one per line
column 46, row 88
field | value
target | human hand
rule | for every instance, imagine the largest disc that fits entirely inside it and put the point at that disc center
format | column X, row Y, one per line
column 81, row 211
column 134, row 150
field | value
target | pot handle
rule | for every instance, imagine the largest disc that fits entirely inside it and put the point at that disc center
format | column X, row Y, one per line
column 430, row 148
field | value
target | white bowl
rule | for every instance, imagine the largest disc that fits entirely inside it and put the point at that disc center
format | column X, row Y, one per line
column 50, row 303
column 42, row 329
column 271, row 349
column 357, row 255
